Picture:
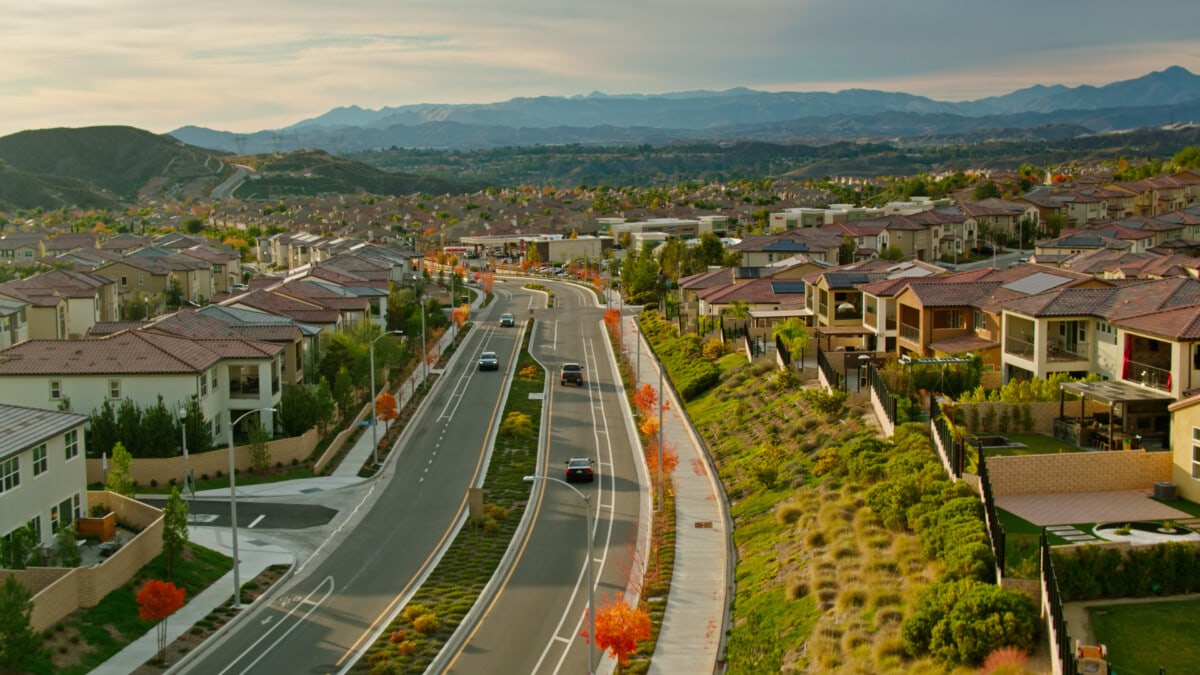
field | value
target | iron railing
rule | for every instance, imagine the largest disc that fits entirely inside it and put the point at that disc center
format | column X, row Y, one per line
column 994, row 528
column 884, row 395
column 1059, row 642
column 832, row 376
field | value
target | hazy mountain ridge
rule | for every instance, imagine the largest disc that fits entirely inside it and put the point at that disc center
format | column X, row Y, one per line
column 1163, row 97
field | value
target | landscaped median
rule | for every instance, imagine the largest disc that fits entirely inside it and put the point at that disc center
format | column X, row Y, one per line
column 414, row 638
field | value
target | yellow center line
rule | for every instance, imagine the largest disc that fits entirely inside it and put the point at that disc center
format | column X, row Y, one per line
column 370, row 630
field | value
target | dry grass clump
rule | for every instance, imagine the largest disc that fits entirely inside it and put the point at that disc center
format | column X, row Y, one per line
column 885, row 594
column 886, row 617
column 887, row 649
column 796, row 587
column 834, row 516
column 851, row 597
column 825, row 649
column 815, row 539
column 789, row 513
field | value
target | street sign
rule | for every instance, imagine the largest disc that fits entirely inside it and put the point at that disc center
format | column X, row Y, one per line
column 363, row 423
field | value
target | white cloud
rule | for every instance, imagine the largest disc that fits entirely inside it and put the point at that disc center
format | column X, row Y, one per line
column 245, row 66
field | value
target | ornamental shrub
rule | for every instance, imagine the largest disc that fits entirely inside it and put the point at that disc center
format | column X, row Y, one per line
column 984, row 619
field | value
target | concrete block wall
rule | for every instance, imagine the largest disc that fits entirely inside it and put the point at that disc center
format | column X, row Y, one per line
column 163, row 469
column 60, row 591
column 1078, row 472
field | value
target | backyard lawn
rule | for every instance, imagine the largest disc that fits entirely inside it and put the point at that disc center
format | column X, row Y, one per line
column 1035, row 444
column 1144, row 637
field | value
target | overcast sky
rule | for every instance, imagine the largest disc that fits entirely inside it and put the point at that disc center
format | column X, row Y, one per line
column 264, row 64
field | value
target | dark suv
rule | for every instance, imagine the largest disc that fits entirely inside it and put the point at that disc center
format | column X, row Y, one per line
column 571, row 372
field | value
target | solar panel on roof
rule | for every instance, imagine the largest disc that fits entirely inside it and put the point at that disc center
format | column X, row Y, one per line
column 1036, row 283
column 787, row 287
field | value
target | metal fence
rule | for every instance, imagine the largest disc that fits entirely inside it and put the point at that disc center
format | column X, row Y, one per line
column 884, row 395
column 950, row 448
column 832, row 376
column 991, row 518
column 1060, row 643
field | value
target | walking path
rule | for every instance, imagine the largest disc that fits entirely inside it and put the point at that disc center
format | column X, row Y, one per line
column 692, row 636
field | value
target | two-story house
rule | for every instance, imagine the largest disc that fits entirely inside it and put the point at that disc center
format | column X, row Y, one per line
column 43, row 478
column 226, row 376
column 762, row 250
column 63, row 304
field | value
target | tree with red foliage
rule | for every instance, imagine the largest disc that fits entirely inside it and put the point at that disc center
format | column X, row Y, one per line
column 460, row 315
column 620, row 627
column 489, row 281
column 612, row 319
column 156, row 601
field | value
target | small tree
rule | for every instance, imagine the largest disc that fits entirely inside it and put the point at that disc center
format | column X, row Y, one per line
column 385, row 409
column 20, row 647
column 158, row 600
column 260, row 452
column 118, row 480
column 19, row 549
column 66, row 546
column 175, row 529
column 620, row 627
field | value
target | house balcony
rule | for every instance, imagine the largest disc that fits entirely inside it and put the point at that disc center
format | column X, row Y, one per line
column 1148, row 375
column 246, row 387
column 910, row 333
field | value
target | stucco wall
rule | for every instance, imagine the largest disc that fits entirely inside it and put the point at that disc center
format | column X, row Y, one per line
column 59, row 592
column 163, row 469
column 1078, row 472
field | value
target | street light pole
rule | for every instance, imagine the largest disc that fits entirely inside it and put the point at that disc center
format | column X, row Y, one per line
column 375, row 434
column 237, row 578
column 661, row 396
column 183, row 435
column 591, row 587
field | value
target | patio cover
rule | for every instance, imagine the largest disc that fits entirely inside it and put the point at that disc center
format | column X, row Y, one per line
column 1111, row 392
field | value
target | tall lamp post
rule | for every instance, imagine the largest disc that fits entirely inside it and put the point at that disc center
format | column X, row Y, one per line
column 237, row 579
column 661, row 395
column 183, row 436
column 587, row 507
column 374, row 434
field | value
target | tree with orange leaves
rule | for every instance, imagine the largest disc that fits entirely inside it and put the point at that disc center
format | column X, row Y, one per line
column 156, row 601
column 489, row 281
column 670, row 457
column 620, row 627
column 646, row 399
column 385, row 409
column 460, row 315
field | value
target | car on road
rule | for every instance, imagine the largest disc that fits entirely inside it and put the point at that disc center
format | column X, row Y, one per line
column 489, row 361
column 580, row 469
column 571, row 372
column 507, row 320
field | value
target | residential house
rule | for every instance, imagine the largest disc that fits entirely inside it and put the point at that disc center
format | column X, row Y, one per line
column 1077, row 241
column 835, row 298
column 1185, row 447
column 22, row 246
column 126, row 242
column 43, row 477
column 762, row 250
column 959, row 313
column 226, row 376
column 65, row 242
column 14, row 322
column 329, row 320
column 63, row 304
column 219, row 321
column 225, row 267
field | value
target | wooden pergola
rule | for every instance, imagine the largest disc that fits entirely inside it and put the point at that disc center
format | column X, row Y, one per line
column 1110, row 392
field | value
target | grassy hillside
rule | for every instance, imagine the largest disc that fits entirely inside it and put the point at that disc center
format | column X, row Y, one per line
column 310, row 172
column 115, row 163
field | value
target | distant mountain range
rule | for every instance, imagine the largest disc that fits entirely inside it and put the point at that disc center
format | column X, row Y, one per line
column 1171, row 96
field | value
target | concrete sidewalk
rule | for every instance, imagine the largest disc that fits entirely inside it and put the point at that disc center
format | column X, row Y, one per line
column 255, row 556
column 693, row 628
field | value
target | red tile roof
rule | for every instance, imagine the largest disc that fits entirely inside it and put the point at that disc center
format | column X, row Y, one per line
column 129, row 352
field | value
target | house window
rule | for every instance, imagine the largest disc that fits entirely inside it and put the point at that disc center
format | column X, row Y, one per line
column 141, row 280
column 980, row 320
column 124, row 280
column 10, row 474
column 1195, row 452
column 203, row 384
column 40, row 464
column 55, row 390
column 114, row 389
column 212, row 375
column 71, row 441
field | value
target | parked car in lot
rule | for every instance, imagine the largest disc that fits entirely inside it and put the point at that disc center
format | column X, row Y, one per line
column 580, row 469
column 572, row 373
column 507, row 320
column 489, row 361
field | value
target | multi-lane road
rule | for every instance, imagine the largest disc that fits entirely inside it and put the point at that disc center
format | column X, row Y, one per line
column 375, row 556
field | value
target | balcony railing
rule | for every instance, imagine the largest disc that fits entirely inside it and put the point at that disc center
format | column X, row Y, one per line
column 910, row 333
column 243, row 388
column 1018, row 347
column 1151, row 376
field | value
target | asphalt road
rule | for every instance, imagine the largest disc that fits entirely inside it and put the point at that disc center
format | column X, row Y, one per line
column 346, row 592
column 534, row 623
column 255, row 514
